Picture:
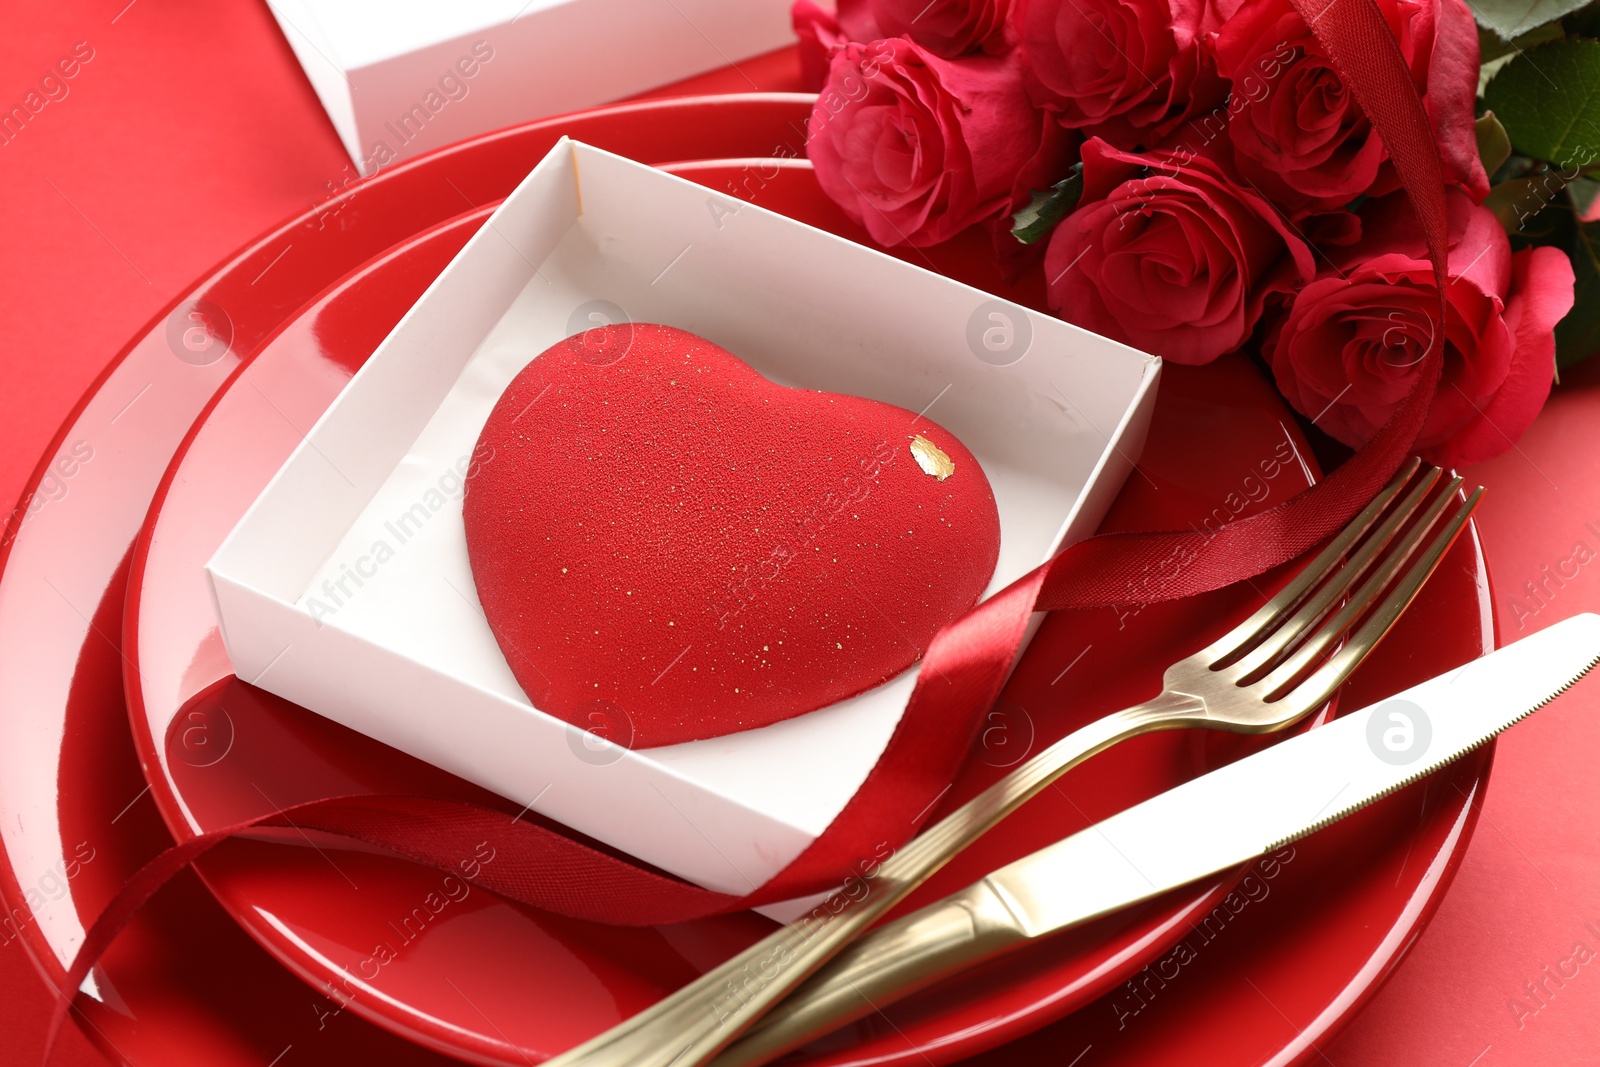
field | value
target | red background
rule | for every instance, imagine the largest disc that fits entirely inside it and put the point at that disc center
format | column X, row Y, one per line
column 192, row 130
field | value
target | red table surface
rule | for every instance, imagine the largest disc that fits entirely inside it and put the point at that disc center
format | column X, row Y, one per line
column 192, row 129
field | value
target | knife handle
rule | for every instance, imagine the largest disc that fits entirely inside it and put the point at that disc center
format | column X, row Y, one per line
column 883, row 966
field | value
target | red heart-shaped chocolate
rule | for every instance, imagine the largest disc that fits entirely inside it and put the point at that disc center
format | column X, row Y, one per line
column 671, row 547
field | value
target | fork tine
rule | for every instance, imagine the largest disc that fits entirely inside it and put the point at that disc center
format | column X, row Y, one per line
column 1316, row 646
column 1278, row 644
column 1384, row 609
column 1332, row 674
column 1242, row 638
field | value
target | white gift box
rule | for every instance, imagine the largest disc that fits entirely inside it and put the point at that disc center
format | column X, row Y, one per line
column 398, row 77
column 346, row 586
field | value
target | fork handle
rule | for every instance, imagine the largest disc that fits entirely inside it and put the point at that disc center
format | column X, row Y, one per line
column 892, row 962
column 689, row 1027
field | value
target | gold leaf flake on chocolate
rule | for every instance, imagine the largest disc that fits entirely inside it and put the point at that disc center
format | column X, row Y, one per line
column 931, row 458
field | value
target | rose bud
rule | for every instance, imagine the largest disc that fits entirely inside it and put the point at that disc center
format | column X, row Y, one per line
column 1346, row 350
column 823, row 32
column 915, row 147
column 1167, row 251
column 1298, row 133
column 947, row 28
column 1129, row 71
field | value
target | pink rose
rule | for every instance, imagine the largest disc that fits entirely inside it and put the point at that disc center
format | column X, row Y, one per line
column 1126, row 70
column 1299, row 134
column 917, row 148
column 1177, row 260
column 1347, row 349
column 823, row 32
column 947, row 28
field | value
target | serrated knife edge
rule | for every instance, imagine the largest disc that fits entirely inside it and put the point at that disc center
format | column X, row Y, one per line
column 1432, row 767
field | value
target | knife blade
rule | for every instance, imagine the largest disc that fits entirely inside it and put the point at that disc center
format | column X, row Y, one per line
column 1209, row 824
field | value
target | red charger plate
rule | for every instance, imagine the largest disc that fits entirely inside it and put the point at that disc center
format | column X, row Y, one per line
column 1348, row 917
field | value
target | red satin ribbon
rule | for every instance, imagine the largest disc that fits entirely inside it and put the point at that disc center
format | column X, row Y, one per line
column 967, row 662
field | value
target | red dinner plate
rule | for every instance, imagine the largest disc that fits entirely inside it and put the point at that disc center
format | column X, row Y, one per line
column 182, row 986
column 500, row 983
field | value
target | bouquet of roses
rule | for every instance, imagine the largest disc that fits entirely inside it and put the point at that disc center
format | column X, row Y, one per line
column 1194, row 178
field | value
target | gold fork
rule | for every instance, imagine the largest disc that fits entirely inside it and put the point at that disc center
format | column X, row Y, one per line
column 897, row 959
column 1265, row 675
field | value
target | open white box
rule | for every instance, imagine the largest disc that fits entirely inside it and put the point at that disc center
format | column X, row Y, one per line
column 407, row 656
column 398, row 77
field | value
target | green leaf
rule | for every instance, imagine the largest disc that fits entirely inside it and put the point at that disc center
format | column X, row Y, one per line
column 1583, row 192
column 1578, row 335
column 1513, row 18
column 1491, row 46
column 1494, row 147
column 1048, row 207
column 1583, row 23
column 1517, row 201
column 1548, row 100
